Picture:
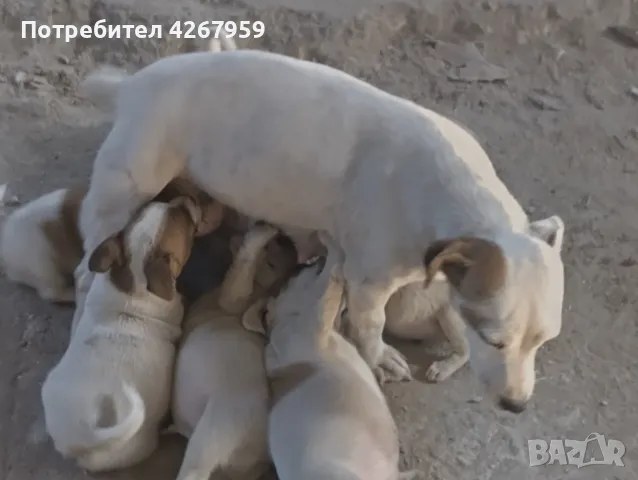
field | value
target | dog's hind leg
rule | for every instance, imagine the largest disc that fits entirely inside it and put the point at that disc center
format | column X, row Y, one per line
column 215, row 440
column 453, row 327
column 237, row 287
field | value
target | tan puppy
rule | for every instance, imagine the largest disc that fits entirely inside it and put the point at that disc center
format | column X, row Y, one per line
column 417, row 313
column 105, row 399
column 329, row 417
column 220, row 395
column 40, row 244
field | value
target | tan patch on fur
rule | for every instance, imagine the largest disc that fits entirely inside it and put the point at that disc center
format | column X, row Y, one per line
column 63, row 233
column 171, row 250
column 286, row 379
column 474, row 266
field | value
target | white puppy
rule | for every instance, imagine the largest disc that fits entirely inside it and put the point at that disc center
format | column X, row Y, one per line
column 220, row 395
column 329, row 417
column 40, row 244
column 105, row 399
column 404, row 191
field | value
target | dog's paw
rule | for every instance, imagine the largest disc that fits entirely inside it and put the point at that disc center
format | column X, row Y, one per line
column 440, row 370
column 392, row 367
column 257, row 237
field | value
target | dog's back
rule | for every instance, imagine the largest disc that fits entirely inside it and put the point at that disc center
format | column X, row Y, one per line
column 344, row 426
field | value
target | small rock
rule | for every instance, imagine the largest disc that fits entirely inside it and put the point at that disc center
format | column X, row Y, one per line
column 63, row 60
column 629, row 262
column 19, row 78
column 546, row 101
column 475, row 400
column 633, row 91
column 6, row 199
column 623, row 35
column 604, row 403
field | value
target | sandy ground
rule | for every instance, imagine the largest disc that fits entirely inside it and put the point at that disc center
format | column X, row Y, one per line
column 562, row 129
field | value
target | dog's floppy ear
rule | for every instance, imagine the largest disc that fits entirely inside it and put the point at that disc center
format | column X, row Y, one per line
column 212, row 214
column 473, row 266
column 551, row 230
column 109, row 253
column 159, row 277
column 253, row 318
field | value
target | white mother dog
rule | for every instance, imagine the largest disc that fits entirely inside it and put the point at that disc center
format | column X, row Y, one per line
column 308, row 147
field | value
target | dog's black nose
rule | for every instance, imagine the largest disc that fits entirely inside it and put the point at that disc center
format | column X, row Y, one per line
column 512, row 405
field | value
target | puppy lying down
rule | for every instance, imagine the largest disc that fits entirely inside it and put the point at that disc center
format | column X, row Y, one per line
column 41, row 246
column 105, row 399
column 220, row 394
column 329, row 417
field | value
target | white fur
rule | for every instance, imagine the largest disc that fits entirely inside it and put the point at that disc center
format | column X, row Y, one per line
column 335, row 423
column 220, row 396
column 122, row 354
column 306, row 146
column 26, row 254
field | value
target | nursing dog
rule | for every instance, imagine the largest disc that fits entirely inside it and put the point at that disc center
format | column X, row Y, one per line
column 329, row 417
column 106, row 398
column 404, row 191
column 220, row 394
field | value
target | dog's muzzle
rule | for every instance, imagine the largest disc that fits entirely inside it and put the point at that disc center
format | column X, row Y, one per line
column 512, row 405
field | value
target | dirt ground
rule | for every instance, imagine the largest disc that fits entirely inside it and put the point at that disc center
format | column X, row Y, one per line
column 546, row 92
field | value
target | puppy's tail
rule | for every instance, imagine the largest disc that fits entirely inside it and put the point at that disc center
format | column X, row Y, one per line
column 115, row 436
column 103, row 85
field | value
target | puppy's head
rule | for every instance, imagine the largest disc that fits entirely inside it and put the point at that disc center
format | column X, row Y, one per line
column 510, row 293
column 311, row 300
column 149, row 254
column 211, row 211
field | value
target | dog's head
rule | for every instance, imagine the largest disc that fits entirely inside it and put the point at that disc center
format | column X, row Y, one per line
column 149, row 254
column 212, row 212
column 311, row 298
column 510, row 292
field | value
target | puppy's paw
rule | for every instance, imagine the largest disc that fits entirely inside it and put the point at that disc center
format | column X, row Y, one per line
column 440, row 370
column 257, row 237
column 392, row 367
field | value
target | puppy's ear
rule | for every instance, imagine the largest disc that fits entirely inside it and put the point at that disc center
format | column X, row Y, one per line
column 253, row 318
column 212, row 214
column 109, row 253
column 189, row 205
column 473, row 266
column 159, row 277
column 551, row 230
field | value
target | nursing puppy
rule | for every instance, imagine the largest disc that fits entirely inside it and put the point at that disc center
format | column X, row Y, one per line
column 329, row 417
column 40, row 244
column 220, row 394
column 104, row 401
column 404, row 191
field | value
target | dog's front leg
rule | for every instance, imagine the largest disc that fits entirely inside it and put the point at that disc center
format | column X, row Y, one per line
column 237, row 287
column 366, row 310
column 453, row 328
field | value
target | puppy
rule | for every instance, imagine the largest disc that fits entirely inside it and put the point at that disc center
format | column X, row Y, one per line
column 417, row 313
column 41, row 246
column 105, row 399
column 329, row 417
column 220, row 394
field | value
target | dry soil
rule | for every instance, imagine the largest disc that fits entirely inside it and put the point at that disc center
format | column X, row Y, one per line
column 546, row 91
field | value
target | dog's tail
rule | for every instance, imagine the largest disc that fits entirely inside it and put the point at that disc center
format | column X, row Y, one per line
column 115, row 436
column 102, row 85
column 224, row 42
